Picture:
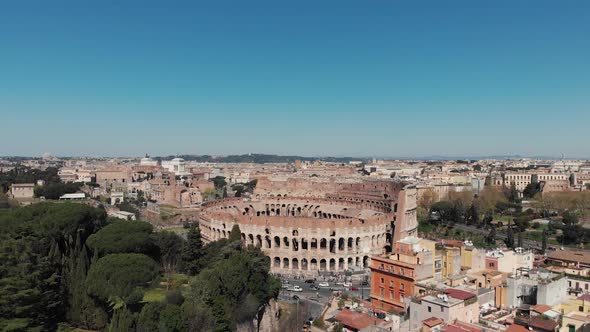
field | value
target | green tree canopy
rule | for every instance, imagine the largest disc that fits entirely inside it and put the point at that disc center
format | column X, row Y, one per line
column 124, row 237
column 118, row 275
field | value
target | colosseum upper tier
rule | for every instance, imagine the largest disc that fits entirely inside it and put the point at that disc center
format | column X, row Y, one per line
column 327, row 226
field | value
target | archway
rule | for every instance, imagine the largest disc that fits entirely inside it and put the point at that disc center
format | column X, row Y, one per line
column 313, row 264
column 332, row 264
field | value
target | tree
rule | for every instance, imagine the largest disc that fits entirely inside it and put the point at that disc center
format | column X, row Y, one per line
column 170, row 319
column 513, row 194
column 208, row 194
column 544, row 242
column 124, row 237
column 474, row 214
column 192, row 251
column 570, row 218
column 42, row 249
column 235, row 234
column 170, row 245
column 488, row 199
column 444, row 209
column 427, row 198
column 531, row 190
column 118, row 275
column 149, row 317
column 491, row 238
column 123, row 320
column 509, row 237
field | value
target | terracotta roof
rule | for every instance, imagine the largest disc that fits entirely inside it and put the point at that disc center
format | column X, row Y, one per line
column 432, row 321
column 542, row 324
column 516, row 328
column 571, row 256
column 540, row 308
column 458, row 294
column 460, row 327
column 355, row 320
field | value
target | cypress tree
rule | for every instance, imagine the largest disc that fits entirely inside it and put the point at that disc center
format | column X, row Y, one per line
column 192, row 251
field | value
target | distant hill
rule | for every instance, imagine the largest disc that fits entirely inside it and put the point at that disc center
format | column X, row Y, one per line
column 257, row 158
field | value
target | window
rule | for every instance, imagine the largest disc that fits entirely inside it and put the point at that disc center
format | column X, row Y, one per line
column 581, row 308
column 442, row 309
column 571, row 328
column 402, row 271
column 391, row 294
column 381, row 291
column 391, row 283
column 402, row 286
column 429, row 309
column 382, row 280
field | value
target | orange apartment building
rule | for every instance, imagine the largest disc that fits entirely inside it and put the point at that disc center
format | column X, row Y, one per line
column 394, row 275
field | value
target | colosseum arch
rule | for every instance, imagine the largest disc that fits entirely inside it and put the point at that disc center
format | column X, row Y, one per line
column 341, row 244
column 304, row 264
column 313, row 264
column 332, row 264
column 295, row 264
column 323, row 266
column 277, row 241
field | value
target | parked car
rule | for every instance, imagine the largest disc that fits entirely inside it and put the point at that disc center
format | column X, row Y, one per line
column 347, row 284
column 353, row 289
column 365, row 283
column 324, row 284
column 314, row 287
column 296, row 289
column 285, row 286
column 309, row 281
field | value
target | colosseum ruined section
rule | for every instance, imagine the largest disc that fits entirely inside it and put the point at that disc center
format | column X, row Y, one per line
column 312, row 225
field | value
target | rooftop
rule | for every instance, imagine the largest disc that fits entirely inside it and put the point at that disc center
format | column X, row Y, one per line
column 356, row 320
column 432, row 321
column 572, row 256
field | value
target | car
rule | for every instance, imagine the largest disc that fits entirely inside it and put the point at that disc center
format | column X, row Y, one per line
column 365, row 283
column 285, row 286
column 314, row 287
column 353, row 289
column 324, row 284
column 347, row 284
column 296, row 289
column 340, row 283
column 309, row 281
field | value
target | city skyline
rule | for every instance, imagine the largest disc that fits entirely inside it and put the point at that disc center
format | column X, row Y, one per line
column 329, row 79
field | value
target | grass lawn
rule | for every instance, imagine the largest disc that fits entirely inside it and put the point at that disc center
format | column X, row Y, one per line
column 155, row 295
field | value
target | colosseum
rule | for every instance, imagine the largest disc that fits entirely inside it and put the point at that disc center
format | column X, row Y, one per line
column 309, row 226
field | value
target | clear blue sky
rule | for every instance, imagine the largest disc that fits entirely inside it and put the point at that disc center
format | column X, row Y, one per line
column 360, row 78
